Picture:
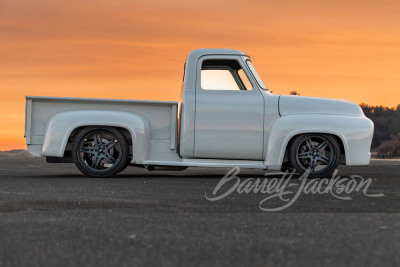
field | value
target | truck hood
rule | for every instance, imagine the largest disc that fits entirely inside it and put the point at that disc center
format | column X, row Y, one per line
column 291, row 104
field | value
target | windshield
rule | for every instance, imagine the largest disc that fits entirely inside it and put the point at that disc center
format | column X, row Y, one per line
column 256, row 76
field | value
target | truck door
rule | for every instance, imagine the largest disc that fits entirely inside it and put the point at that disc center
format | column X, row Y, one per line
column 229, row 110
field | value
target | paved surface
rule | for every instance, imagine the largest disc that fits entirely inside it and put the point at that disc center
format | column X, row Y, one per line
column 50, row 215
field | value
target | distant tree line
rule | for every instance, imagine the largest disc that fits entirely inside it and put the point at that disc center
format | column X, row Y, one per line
column 387, row 128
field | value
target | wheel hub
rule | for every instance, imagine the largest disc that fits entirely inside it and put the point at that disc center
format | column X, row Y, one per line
column 311, row 153
column 99, row 153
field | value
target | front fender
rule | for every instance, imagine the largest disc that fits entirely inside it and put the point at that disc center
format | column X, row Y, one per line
column 354, row 132
column 60, row 126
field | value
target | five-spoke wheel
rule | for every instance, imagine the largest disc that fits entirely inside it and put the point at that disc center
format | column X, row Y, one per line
column 318, row 153
column 100, row 151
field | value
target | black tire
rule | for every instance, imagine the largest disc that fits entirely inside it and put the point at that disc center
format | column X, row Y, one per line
column 309, row 151
column 100, row 151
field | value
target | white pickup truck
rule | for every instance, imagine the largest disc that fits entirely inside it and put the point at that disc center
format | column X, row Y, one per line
column 226, row 117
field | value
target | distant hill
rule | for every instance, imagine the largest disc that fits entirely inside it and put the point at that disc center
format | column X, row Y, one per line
column 15, row 153
column 386, row 120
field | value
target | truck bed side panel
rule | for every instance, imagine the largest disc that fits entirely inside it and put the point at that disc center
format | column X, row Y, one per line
column 162, row 115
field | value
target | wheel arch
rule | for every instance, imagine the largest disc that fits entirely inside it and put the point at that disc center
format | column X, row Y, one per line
column 286, row 128
column 337, row 138
column 125, row 132
column 63, row 126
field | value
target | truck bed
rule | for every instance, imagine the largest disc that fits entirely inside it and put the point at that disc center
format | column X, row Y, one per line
column 162, row 116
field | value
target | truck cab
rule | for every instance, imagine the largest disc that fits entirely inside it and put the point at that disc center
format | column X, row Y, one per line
column 223, row 107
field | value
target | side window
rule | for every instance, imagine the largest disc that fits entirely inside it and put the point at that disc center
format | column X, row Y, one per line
column 223, row 75
column 218, row 80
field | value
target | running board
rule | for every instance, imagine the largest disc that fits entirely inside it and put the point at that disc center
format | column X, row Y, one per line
column 209, row 163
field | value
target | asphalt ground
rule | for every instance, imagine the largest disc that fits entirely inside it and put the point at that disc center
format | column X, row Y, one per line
column 51, row 215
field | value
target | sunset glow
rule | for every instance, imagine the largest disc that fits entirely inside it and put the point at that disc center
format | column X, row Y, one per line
column 136, row 49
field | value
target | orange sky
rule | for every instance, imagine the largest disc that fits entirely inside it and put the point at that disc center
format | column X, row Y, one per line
column 136, row 49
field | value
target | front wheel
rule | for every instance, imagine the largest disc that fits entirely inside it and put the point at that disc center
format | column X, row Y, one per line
column 100, row 151
column 317, row 153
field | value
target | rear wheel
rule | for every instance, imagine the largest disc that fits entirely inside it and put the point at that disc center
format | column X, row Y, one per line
column 100, row 151
column 318, row 153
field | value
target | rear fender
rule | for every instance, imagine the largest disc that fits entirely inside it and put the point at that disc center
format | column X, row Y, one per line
column 60, row 126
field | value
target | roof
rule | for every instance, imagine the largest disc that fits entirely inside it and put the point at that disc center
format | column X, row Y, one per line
column 195, row 54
